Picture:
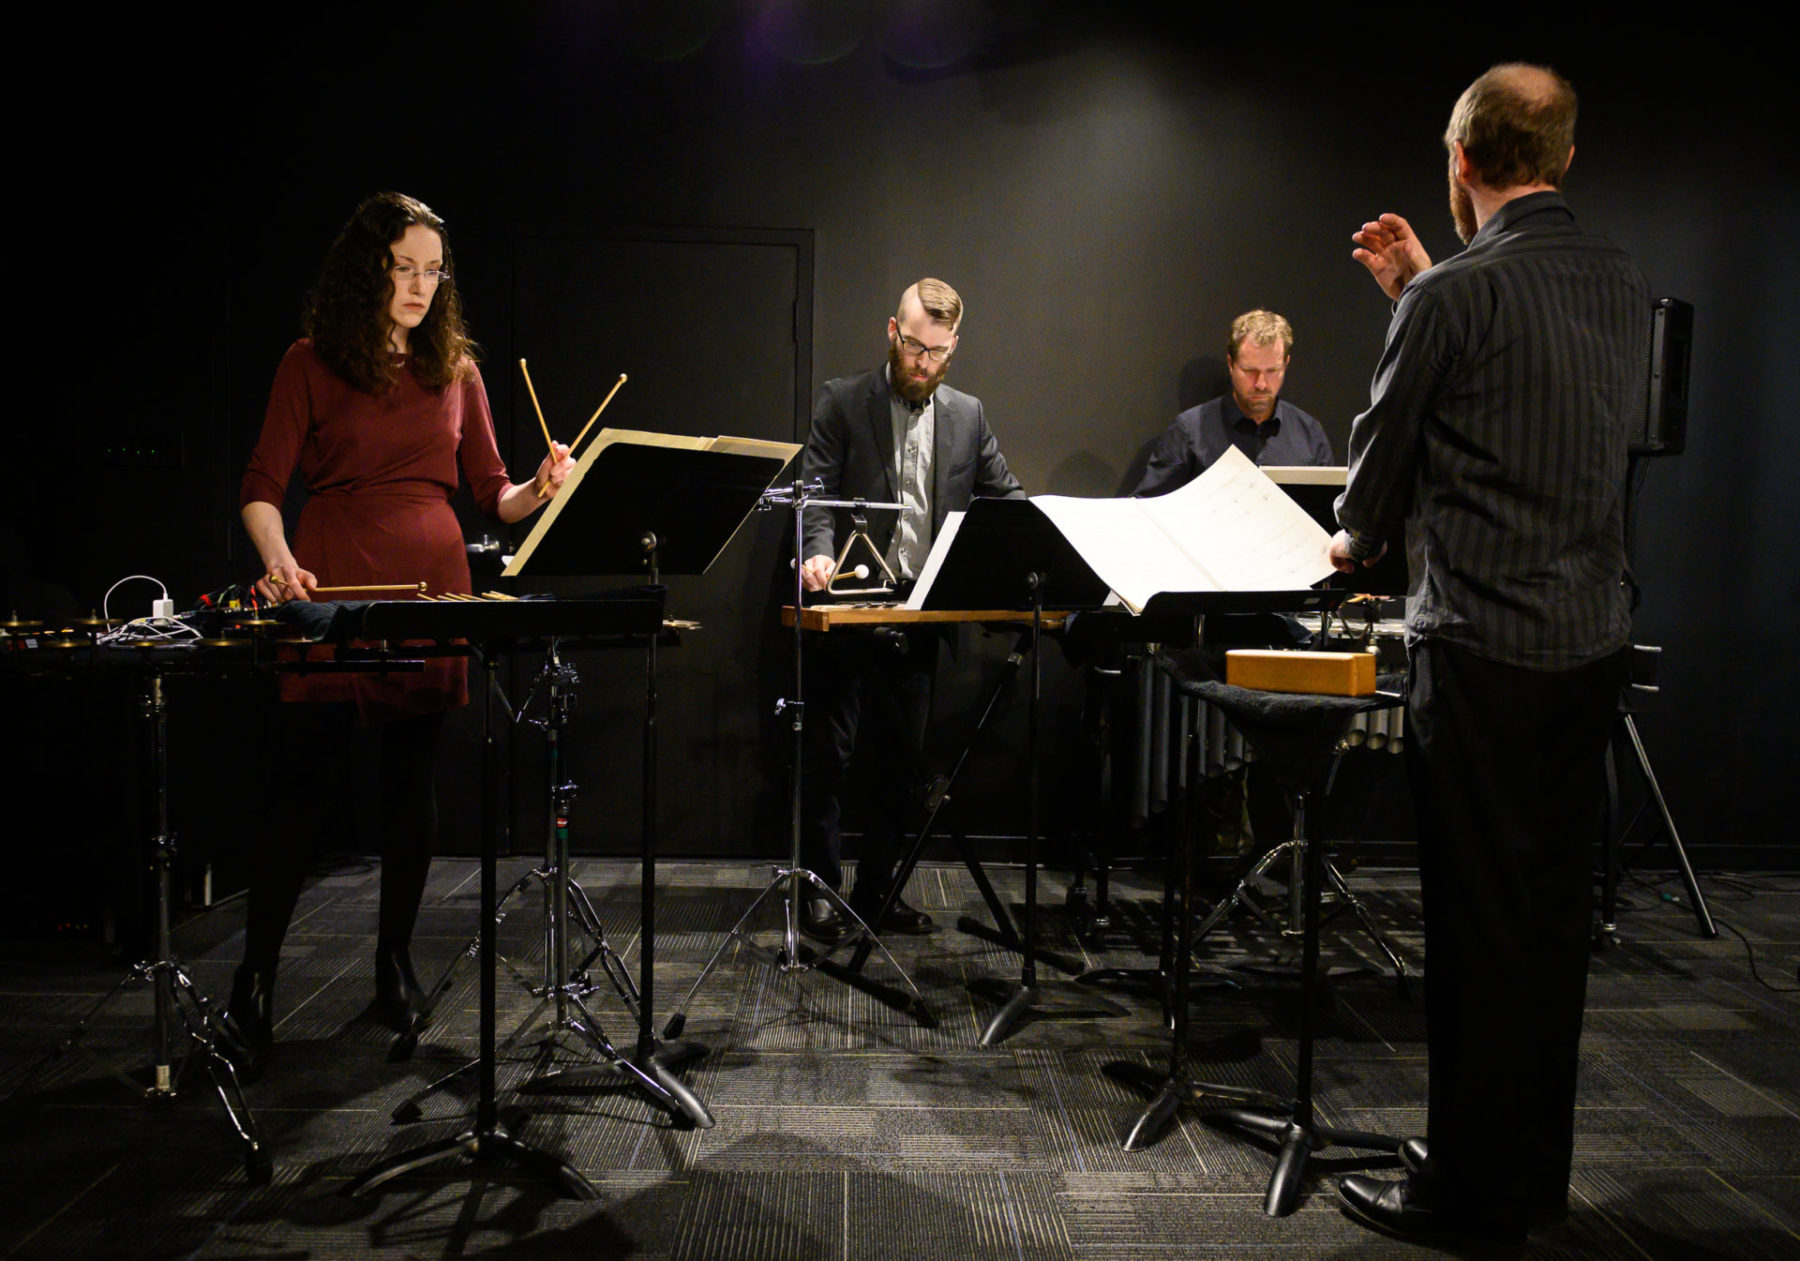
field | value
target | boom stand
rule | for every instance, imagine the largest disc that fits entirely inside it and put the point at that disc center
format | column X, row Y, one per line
column 793, row 882
column 182, row 1011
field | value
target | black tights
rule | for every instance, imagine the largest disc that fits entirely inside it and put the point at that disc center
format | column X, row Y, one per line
column 309, row 744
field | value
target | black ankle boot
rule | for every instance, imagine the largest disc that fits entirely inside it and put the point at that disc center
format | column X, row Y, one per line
column 399, row 999
column 250, row 1022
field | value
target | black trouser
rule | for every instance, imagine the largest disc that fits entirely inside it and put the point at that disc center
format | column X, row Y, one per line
column 864, row 685
column 310, row 740
column 1507, row 767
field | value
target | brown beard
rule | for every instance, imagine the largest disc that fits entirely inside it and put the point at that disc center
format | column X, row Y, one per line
column 1462, row 208
column 900, row 376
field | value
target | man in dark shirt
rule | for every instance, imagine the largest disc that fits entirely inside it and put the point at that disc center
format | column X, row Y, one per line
column 1497, row 423
column 1254, row 417
column 1256, row 420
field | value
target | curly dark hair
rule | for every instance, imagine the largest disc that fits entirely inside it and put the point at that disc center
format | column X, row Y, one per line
column 347, row 311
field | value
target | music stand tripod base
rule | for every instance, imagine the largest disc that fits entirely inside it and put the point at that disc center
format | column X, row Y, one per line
column 182, row 1012
column 794, row 954
column 483, row 1144
column 788, row 882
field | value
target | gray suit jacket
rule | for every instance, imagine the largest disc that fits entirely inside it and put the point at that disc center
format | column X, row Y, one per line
column 851, row 449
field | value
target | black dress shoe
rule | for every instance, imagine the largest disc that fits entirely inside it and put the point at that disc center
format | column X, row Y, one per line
column 399, row 998
column 1541, row 1211
column 820, row 920
column 1404, row 1209
column 900, row 918
column 249, row 1023
column 1416, row 1157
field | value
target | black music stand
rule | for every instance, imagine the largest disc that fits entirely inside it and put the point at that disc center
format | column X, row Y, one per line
column 1297, row 736
column 1037, row 567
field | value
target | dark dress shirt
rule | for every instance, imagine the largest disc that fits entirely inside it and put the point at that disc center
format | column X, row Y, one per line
column 1200, row 435
column 1497, row 421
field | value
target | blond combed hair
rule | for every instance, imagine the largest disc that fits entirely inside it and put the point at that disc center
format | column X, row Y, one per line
column 937, row 299
column 1264, row 328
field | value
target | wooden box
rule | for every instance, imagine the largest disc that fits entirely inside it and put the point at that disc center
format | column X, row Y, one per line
column 1283, row 670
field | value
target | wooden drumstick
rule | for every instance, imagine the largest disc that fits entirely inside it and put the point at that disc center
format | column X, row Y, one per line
column 597, row 411
column 542, row 423
column 417, row 588
column 532, row 390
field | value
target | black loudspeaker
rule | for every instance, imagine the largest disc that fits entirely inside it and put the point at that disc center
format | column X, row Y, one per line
column 1659, row 426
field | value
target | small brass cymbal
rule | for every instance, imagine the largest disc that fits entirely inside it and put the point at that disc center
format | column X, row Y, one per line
column 17, row 623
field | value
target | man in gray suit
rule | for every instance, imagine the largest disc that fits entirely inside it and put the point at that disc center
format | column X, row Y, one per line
column 898, row 435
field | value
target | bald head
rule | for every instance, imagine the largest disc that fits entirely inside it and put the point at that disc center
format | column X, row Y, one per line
column 1516, row 125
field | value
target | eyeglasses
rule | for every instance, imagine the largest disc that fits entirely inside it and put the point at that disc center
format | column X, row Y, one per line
column 404, row 272
column 937, row 354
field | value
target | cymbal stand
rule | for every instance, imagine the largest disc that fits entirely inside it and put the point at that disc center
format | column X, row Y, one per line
column 792, row 883
column 488, row 1139
column 1029, row 997
column 183, row 1013
column 564, row 990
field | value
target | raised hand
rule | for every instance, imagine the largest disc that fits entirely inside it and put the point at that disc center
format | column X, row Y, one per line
column 1388, row 247
column 553, row 472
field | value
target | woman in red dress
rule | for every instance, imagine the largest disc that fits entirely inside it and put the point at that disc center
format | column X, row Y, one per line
column 378, row 408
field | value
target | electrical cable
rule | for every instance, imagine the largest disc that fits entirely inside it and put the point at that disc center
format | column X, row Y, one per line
column 1735, row 884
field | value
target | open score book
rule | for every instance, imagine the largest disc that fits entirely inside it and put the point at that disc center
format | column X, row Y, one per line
column 1230, row 529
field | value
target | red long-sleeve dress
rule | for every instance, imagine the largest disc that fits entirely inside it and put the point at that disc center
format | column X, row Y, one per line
column 379, row 472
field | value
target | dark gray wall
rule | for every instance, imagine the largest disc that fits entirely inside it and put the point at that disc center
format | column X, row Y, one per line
column 1106, row 193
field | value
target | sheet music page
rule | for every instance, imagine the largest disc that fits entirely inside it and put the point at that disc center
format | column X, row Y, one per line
column 1130, row 552
column 1242, row 529
column 934, row 560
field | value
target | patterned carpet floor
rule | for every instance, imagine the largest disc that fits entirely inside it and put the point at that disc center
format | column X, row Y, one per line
column 847, row 1129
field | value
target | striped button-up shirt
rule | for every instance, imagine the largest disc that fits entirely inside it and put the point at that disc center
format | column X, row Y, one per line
column 1497, row 422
